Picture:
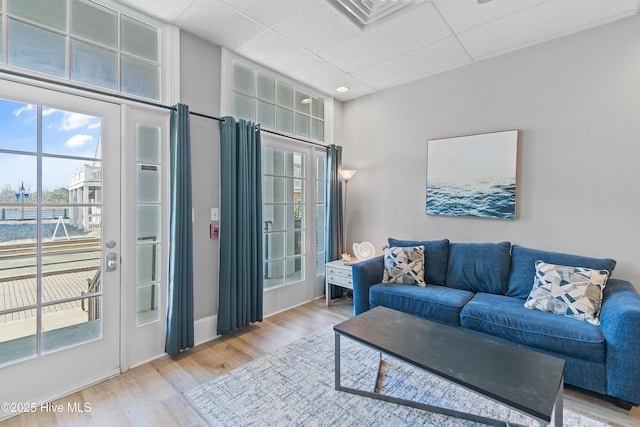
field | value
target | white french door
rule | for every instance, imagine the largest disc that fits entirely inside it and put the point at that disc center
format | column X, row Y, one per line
column 146, row 209
column 59, row 242
column 293, row 223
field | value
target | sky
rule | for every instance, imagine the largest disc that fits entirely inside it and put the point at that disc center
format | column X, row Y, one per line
column 473, row 158
column 63, row 133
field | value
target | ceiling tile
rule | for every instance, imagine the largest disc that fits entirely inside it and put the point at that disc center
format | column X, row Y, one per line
column 267, row 12
column 435, row 58
column 167, row 10
column 466, row 14
column 219, row 23
column 317, row 26
column 274, row 51
column 324, row 77
column 546, row 21
column 422, row 26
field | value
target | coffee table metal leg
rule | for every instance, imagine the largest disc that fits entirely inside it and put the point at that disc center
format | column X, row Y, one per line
column 337, row 360
column 558, row 410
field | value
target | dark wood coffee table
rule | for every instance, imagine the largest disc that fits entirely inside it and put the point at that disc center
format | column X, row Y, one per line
column 522, row 379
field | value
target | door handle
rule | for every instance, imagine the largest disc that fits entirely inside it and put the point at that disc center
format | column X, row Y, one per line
column 111, row 261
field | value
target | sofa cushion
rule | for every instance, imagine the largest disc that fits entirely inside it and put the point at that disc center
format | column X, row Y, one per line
column 523, row 267
column 506, row 317
column 570, row 291
column 436, row 303
column 479, row 267
column 404, row 265
column 435, row 258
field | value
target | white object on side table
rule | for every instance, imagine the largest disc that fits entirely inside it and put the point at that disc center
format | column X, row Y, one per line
column 338, row 274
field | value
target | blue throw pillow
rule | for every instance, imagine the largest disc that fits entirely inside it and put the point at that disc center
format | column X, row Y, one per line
column 523, row 267
column 435, row 258
column 479, row 267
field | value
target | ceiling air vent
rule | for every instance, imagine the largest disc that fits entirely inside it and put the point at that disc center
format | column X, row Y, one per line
column 365, row 13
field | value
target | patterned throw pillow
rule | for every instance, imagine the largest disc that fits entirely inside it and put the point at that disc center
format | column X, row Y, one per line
column 404, row 265
column 571, row 291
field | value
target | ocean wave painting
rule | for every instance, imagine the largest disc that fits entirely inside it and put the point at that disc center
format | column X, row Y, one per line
column 473, row 175
column 495, row 199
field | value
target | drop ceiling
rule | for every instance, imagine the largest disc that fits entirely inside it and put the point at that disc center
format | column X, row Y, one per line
column 317, row 44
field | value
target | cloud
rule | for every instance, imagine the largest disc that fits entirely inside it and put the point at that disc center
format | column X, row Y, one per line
column 26, row 108
column 77, row 141
column 95, row 125
column 48, row 111
column 73, row 121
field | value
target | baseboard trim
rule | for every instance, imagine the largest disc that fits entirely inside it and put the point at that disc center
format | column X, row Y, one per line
column 205, row 329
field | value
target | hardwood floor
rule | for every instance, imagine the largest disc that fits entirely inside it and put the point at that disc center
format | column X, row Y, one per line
column 151, row 394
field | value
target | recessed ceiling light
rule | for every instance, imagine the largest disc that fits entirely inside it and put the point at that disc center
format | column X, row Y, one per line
column 483, row 1
column 342, row 89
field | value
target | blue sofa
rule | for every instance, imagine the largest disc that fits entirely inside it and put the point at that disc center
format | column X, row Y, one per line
column 482, row 287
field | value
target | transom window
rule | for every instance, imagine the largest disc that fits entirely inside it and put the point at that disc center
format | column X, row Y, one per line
column 83, row 41
column 276, row 104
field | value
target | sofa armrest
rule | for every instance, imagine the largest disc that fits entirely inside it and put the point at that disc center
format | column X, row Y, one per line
column 365, row 273
column 620, row 325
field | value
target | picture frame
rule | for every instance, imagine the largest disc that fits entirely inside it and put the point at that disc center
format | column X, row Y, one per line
column 473, row 175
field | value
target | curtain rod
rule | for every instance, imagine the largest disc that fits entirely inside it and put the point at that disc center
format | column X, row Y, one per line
column 140, row 101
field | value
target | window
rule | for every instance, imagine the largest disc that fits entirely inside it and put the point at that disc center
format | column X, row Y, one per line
column 86, row 42
column 321, row 206
column 276, row 104
column 284, row 219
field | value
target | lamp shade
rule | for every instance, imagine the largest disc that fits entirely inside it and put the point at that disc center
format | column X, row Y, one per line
column 346, row 174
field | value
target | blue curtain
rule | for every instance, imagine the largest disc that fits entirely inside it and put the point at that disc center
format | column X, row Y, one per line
column 240, row 276
column 180, row 277
column 335, row 224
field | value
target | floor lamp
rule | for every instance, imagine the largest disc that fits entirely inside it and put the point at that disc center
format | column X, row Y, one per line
column 346, row 175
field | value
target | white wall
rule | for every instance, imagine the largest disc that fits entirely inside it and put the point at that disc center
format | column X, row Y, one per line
column 576, row 101
column 200, row 89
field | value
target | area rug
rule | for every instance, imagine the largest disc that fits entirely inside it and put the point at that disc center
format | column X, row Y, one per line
column 295, row 387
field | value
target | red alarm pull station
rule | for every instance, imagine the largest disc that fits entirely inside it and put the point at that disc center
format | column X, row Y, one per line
column 214, row 230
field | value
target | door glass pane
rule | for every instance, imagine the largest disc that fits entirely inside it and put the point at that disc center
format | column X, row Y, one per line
column 295, row 217
column 272, row 189
column 1, row 37
column 94, row 65
column 294, row 269
column 320, row 229
column 36, row 49
column 243, row 81
column 95, row 23
column 295, row 243
column 273, row 246
column 148, row 220
column 148, row 187
column 18, row 283
column 266, row 88
column 273, row 273
column 71, row 134
column 138, row 38
column 70, row 275
column 273, row 162
column 17, row 335
column 147, row 304
column 148, row 144
column 295, row 190
column 148, row 263
column 52, row 13
column 140, row 78
column 70, row 228
column 19, row 130
column 18, row 179
column 294, row 164
column 273, row 217
column 70, row 323
column 82, row 180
